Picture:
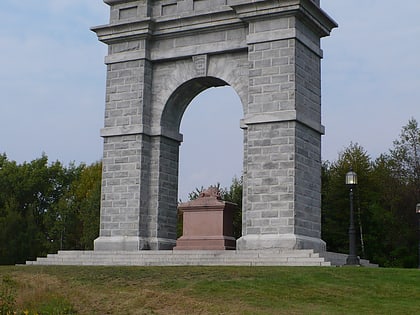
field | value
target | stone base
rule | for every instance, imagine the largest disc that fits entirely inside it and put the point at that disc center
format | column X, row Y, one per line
column 131, row 243
column 274, row 257
column 339, row 259
column 205, row 243
column 280, row 241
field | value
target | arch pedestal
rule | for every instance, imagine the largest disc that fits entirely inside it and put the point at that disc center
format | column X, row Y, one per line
column 161, row 55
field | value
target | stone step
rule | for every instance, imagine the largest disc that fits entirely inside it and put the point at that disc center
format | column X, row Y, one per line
column 175, row 261
column 338, row 259
column 300, row 252
column 190, row 263
column 168, row 253
column 190, row 257
column 182, row 256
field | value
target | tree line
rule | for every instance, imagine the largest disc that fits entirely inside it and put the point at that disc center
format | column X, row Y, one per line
column 385, row 201
column 46, row 207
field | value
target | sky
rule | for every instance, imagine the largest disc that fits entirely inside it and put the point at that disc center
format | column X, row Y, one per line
column 52, row 87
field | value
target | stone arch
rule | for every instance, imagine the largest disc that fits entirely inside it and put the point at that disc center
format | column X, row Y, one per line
column 161, row 54
column 182, row 97
column 179, row 81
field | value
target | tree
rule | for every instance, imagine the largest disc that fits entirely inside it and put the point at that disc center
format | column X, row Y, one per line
column 405, row 157
column 386, row 195
column 46, row 207
column 85, row 202
column 61, row 223
column 234, row 195
column 398, row 175
column 26, row 193
column 74, row 219
column 335, row 198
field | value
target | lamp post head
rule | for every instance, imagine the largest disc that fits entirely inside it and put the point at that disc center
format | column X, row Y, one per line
column 351, row 178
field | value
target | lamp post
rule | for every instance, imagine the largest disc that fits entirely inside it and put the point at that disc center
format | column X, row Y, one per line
column 351, row 182
column 418, row 215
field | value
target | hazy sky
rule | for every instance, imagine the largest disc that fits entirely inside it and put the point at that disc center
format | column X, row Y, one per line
column 52, row 86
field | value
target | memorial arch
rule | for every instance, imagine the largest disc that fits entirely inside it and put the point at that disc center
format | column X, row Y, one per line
column 161, row 55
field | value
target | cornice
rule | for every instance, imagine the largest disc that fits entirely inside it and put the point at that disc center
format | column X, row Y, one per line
column 121, row 31
column 167, row 26
column 114, row 2
column 234, row 15
column 305, row 10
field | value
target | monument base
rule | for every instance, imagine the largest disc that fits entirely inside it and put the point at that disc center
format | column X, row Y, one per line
column 131, row 243
column 205, row 243
column 207, row 223
column 280, row 241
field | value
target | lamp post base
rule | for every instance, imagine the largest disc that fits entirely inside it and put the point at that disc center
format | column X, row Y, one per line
column 352, row 260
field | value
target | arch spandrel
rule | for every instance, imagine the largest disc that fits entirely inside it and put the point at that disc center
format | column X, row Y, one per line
column 162, row 54
column 172, row 95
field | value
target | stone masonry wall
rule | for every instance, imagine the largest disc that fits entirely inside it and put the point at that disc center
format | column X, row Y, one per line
column 164, row 192
column 308, row 182
column 283, row 126
column 269, row 166
column 121, row 186
column 270, row 179
column 125, row 92
column 271, row 77
column 125, row 192
column 308, row 142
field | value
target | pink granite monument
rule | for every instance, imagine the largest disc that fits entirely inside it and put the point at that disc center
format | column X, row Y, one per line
column 208, row 223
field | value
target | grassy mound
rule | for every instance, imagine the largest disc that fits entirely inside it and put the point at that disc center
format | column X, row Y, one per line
column 208, row 290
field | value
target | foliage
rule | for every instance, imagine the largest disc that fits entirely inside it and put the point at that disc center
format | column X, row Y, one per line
column 84, row 200
column 46, row 207
column 386, row 196
column 335, row 201
column 234, row 195
column 406, row 156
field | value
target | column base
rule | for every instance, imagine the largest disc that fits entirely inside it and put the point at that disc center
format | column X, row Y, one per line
column 352, row 260
column 280, row 241
column 131, row 243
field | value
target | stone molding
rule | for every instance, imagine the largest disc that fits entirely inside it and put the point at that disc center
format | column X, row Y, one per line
column 272, row 241
column 139, row 129
column 286, row 115
column 231, row 16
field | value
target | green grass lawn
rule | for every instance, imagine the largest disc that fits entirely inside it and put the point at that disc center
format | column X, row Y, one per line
column 209, row 290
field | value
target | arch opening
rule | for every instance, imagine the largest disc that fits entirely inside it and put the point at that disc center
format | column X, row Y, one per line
column 212, row 150
column 207, row 111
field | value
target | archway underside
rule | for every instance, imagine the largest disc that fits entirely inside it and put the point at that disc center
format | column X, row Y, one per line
column 182, row 97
